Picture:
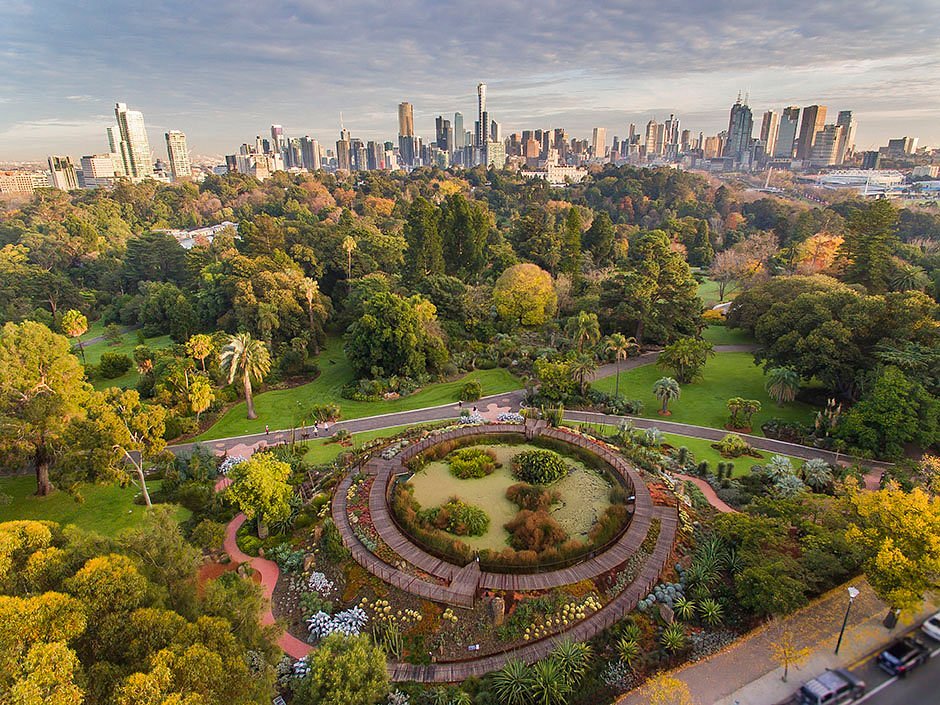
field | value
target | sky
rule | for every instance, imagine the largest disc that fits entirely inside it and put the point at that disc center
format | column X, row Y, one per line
column 223, row 71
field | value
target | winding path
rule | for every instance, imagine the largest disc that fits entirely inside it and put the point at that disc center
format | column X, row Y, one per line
column 708, row 491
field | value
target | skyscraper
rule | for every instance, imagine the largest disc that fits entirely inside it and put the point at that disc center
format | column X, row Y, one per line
column 178, row 153
column 63, row 173
column 786, row 133
column 98, row 170
column 652, row 138
column 443, row 134
column 311, row 153
column 826, row 146
column 740, row 130
column 406, row 133
column 277, row 139
column 458, row 131
column 134, row 147
column 343, row 159
column 599, row 142
column 481, row 126
column 847, row 142
column 814, row 117
column 769, row 127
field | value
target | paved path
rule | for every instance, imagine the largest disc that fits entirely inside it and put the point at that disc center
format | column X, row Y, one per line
column 650, row 357
column 269, row 573
column 708, row 491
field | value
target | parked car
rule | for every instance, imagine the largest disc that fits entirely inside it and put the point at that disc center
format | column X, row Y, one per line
column 903, row 656
column 932, row 627
column 831, row 688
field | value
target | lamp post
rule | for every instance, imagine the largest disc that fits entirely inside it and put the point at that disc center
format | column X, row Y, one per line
column 853, row 593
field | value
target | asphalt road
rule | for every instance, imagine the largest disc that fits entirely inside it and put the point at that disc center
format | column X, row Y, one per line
column 920, row 687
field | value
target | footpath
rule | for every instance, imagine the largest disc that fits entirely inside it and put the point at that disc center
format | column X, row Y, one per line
column 746, row 674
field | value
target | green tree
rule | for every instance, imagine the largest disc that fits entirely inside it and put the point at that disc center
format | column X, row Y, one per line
column 524, row 293
column 260, row 489
column 571, row 242
column 248, row 357
column 349, row 246
column 686, row 357
column 465, row 225
column 582, row 367
column 620, row 346
column 599, row 239
column 556, row 379
column 343, row 671
column 41, row 391
column 74, row 325
column 584, row 329
column 425, row 250
column 199, row 347
column 200, row 395
column 666, row 389
column 701, row 253
column 869, row 241
column 783, row 383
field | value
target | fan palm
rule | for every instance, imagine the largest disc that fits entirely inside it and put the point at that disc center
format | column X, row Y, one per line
column 620, row 346
column 666, row 389
column 248, row 357
column 583, row 367
column 783, row 383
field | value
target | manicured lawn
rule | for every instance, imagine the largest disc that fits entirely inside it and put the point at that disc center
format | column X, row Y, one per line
column 320, row 451
column 708, row 293
column 105, row 509
column 722, row 335
column 704, row 402
column 280, row 409
column 128, row 342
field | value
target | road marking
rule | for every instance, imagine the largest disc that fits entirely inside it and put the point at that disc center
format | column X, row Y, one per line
column 875, row 691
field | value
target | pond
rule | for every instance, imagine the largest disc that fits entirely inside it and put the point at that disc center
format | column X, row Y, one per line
column 585, row 494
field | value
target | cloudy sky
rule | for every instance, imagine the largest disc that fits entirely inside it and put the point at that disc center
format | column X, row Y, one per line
column 225, row 70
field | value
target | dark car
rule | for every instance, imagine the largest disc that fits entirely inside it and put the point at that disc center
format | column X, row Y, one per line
column 903, row 656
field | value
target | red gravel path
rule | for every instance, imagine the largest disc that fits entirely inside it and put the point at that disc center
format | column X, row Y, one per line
column 707, row 490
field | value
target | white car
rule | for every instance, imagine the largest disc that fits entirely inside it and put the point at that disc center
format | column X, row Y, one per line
column 932, row 627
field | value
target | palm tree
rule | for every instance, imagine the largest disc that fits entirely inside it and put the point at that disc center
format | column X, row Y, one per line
column 512, row 682
column 666, row 389
column 316, row 311
column 349, row 244
column 584, row 329
column 620, row 346
column 248, row 357
column 817, row 475
column 199, row 347
column 783, row 383
column 582, row 367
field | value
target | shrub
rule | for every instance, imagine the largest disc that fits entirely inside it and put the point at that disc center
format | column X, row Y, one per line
column 208, row 535
column 471, row 462
column 534, row 531
column 460, row 518
column 287, row 559
column 471, row 391
column 530, row 497
column 113, row 365
column 313, row 602
column 732, row 446
column 538, row 467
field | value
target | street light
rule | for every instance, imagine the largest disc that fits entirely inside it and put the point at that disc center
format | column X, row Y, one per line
column 853, row 593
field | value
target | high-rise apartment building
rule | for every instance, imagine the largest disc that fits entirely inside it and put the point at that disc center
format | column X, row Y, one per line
column 310, row 150
column 406, row 133
column 343, row 158
column 847, row 144
column 443, row 136
column 599, row 143
column 481, row 126
column 134, row 147
column 814, row 117
column 653, row 138
column 177, row 151
column 740, row 131
column 98, row 170
column 62, row 173
column 786, row 133
column 826, row 146
column 278, row 143
column 769, row 127
column 458, row 131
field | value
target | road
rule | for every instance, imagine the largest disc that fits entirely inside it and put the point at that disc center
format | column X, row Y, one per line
column 920, row 687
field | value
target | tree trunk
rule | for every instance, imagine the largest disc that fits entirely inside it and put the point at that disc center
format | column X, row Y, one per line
column 639, row 331
column 202, row 361
column 665, row 409
column 617, row 387
column 42, row 462
column 139, row 470
column 81, row 349
column 721, row 290
column 262, row 530
column 248, row 400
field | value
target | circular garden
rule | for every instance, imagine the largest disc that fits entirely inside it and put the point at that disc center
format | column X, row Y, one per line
column 516, row 505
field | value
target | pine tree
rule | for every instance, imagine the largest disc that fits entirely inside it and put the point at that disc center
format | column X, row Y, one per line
column 425, row 254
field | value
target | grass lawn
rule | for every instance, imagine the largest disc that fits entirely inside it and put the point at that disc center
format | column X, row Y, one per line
column 279, row 409
column 704, row 403
column 708, row 292
column 722, row 335
column 129, row 379
column 320, row 451
column 105, row 509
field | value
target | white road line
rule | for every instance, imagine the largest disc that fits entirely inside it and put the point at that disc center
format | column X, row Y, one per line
column 875, row 691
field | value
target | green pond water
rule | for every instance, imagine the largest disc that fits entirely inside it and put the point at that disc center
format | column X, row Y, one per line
column 585, row 494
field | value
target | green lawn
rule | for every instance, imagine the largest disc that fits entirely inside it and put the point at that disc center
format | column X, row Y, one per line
column 104, row 509
column 129, row 379
column 708, row 293
column 704, row 403
column 722, row 335
column 320, row 451
column 280, row 409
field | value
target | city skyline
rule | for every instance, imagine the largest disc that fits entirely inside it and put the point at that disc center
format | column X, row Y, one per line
column 219, row 82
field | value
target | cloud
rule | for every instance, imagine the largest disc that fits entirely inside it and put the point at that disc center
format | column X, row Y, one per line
column 223, row 71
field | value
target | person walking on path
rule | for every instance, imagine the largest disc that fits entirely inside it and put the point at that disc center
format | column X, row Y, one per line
column 267, row 431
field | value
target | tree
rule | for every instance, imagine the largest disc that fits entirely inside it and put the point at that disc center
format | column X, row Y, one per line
column 726, row 269
column 248, row 357
column 524, row 293
column 620, row 346
column 783, row 383
column 41, row 391
column 584, row 329
column 74, row 325
column 48, row 675
column 318, row 308
column 870, row 239
column 260, row 489
column 200, row 395
column 786, row 651
column 701, row 252
column 571, row 242
column 343, row 671
column 199, row 347
column 686, row 357
column 583, row 367
column 599, row 239
column 664, row 689
column 556, row 379
column 666, row 389
column 465, row 225
column 899, row 533
column 349, row 245
column 425, row 250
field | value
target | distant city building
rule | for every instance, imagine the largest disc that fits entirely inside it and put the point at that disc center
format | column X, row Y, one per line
column 769, row 128
column 62, row 173
column 557, row 175
column 496, row 154
column 814, row 118
column 786, row 133
column 847, row 144
column 481, row 126
column 134, row 146
column 926, row 171
column 178, row 154
column 740, row 132
column 459, row 142
column 871, row 160
column 343, row 158
column 599, row 143
column 443, row 134
column 901, row 146
column 277, row 139
column 23, row 182
column 310, row 151
column 826, row 146
column 406, row 134
column 98, row 171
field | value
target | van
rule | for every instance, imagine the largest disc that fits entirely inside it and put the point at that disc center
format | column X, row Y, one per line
column 830, row 688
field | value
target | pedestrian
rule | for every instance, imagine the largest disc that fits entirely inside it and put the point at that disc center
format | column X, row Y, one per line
column 474, row 408
column 267, row 430
column 460, row 403
column 316, row 429
column 326, row 428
